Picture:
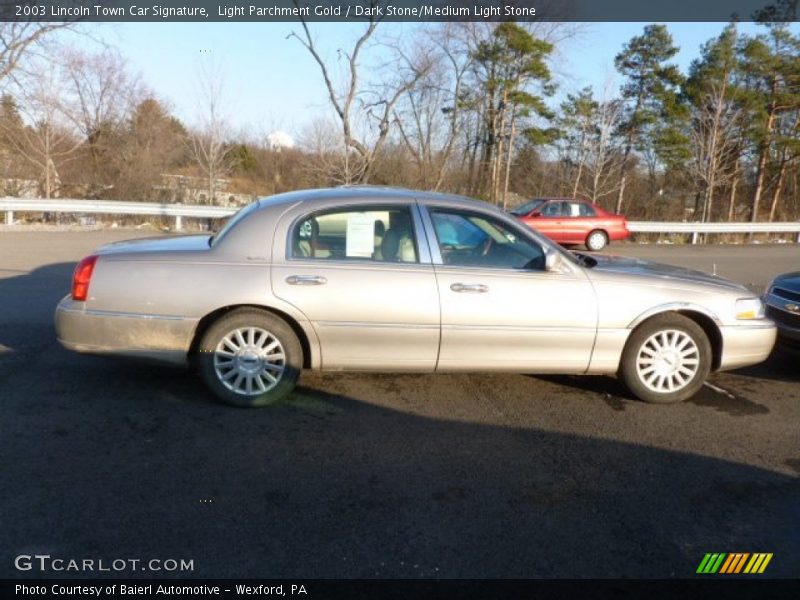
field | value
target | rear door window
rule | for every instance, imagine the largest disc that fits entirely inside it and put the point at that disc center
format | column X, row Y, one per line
column 383, row 234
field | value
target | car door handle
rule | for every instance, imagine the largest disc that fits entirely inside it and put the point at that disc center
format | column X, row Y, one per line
column 306, row 280
column 474, row 288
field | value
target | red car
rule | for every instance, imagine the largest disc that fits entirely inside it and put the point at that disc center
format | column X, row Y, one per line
column 571, row 221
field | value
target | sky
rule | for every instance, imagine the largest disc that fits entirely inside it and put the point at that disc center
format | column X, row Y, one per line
column 271, row 83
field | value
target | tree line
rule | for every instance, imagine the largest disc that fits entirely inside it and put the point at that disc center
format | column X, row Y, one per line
column 468, row 108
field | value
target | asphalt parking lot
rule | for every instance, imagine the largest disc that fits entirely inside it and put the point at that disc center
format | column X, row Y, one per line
column 386, row 475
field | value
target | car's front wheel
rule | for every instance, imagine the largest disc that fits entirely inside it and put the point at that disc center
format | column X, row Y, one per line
column 250, row 358
column 666, row 359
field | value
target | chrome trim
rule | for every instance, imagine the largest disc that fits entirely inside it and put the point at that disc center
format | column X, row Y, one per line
column 764, row 324
column 471, row 288
column 306, row 280
column 357, row 264
column 519, row 328
column 420, row 233
column 489, row 271
column 785, row 294
column 430, row 235
column 673, row 306
column 122, row 315
column 361, row 324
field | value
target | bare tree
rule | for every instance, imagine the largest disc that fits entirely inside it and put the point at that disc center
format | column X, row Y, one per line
column 714, row 137
column 429, row 116
column 99, row 96
column 101, row 92
column 323, row 160
column 603, row 157
column 46, row 140
column 151, row 144
column 208, row 143
column 20, row 38
column 361, row 103
column 342, row 103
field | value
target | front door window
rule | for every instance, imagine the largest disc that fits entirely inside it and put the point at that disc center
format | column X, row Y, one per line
column 475, row 240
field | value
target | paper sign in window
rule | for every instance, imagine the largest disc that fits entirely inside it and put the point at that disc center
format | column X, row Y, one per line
column 360, row 235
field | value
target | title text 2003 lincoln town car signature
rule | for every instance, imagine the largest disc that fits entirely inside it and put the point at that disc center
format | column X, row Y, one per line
column 381, row 279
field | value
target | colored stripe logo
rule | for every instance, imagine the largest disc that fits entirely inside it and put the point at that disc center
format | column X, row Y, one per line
column 734, row 563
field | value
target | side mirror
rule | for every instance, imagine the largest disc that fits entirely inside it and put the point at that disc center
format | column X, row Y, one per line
column 552, row 261
column 536, row 213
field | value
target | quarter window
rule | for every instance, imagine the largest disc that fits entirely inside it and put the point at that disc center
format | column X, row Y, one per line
column 580, row 209
column 475, row 240
column 376, row 234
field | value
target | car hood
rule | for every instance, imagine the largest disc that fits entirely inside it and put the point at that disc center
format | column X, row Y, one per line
column 646, row 268
column 182, row 243
column 789, row 281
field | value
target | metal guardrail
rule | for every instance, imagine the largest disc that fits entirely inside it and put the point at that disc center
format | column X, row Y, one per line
column 113, row 207
column 179, row 211
column 724, row 227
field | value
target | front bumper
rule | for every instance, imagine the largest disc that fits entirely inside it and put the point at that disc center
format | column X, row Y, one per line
column 744, row 345
column 154, row 337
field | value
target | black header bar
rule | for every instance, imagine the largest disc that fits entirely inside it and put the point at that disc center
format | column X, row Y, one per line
column 464, row 589
column 177, row 11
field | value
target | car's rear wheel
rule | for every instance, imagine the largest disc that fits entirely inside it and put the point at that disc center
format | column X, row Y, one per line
column 250, row 358
column 666, row 359
column 596, row 240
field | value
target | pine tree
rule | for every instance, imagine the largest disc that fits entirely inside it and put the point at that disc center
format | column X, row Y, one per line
column 650, row 92
column 507, row 66
column 771, row 63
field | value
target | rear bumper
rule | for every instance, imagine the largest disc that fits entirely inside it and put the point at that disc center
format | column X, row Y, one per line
column 618, row 235
column 744, row 345
column 161, row 338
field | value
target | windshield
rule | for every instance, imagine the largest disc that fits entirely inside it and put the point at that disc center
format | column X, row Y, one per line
column 229, row 224
column 527, row 207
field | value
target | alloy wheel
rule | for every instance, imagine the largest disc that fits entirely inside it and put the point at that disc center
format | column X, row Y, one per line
column 249, row 361
column 668, row 361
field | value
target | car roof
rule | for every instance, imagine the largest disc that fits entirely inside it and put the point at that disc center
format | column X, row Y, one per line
column 562, row 199
column 369, row 192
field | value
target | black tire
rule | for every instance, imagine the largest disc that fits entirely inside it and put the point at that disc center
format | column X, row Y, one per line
column 596, row 240
column 261, row 322
column 641, row 342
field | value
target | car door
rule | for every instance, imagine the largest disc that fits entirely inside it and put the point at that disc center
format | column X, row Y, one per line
column 551, row 221
column 364, row 282
column 501, row 308
column 578, row 222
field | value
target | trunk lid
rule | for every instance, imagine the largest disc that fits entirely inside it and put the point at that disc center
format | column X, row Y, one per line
column 182, row 243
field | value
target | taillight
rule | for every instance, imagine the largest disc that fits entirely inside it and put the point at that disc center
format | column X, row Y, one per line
column 81, row 278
